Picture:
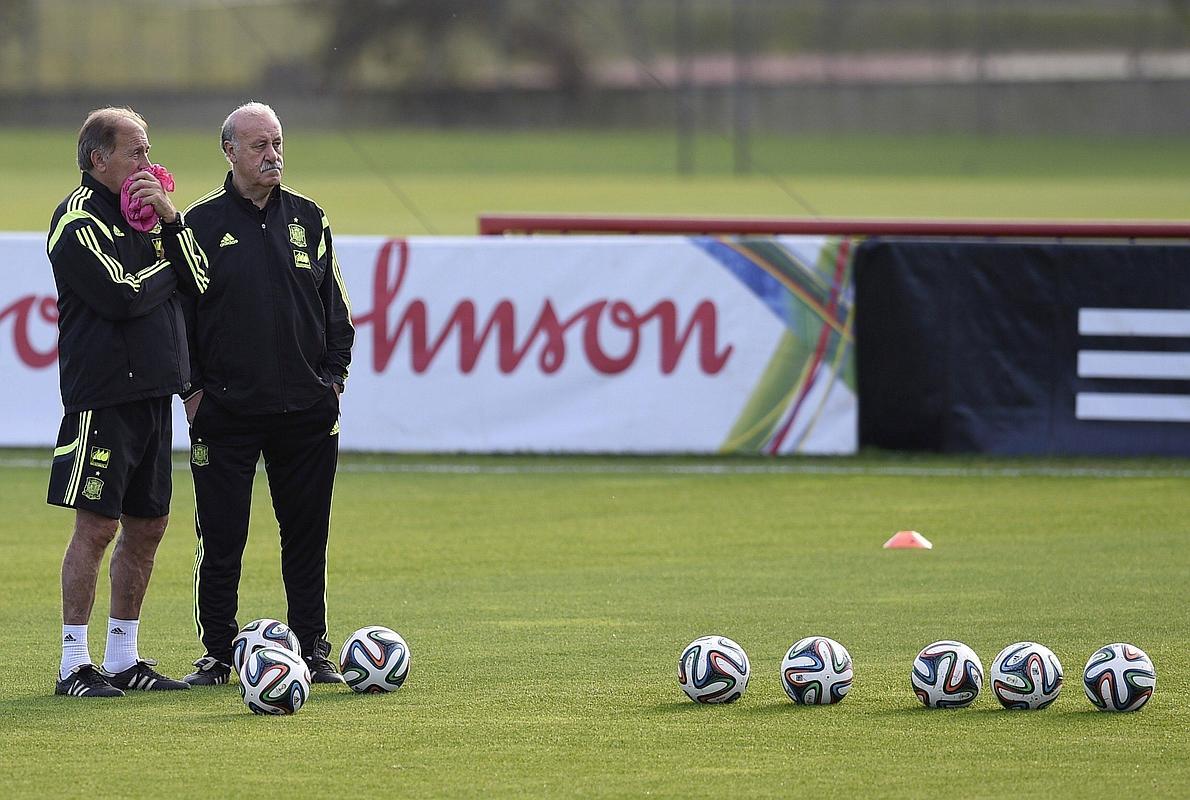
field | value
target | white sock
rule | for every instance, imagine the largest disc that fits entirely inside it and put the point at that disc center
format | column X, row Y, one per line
column 121, row 650
column 74, row 649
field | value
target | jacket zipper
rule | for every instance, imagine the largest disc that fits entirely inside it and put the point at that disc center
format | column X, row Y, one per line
column 270, row 260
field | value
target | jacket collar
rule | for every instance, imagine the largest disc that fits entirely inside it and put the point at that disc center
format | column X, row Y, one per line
column 101, row 191
column 230, row 188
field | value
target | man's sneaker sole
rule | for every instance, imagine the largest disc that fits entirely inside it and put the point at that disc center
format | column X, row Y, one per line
column 142, row 677
column 86, row 682
column 211, row 672
column 322, row 669
column 326, row 677
column 75, row 689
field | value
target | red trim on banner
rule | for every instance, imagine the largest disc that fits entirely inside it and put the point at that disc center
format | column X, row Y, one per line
column 500, row 224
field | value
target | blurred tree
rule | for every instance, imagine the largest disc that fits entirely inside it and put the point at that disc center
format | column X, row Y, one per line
column 16, row 19
column 535, row 31
column 1180, row 10
column 18, row 23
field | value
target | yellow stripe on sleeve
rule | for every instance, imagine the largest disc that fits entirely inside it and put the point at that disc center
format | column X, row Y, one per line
column 115, row 271
column 70, row 217
column 152, row 270
column 342, row 287
column 195, row 258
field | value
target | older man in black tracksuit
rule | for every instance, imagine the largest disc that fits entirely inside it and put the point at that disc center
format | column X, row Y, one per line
column 122, row 355
column 270, row 346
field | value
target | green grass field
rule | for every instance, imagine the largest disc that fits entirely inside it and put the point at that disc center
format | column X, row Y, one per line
column 546, row 602
column 409, row 182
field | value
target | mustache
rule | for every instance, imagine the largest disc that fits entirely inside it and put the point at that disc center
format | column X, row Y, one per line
column 266, row 166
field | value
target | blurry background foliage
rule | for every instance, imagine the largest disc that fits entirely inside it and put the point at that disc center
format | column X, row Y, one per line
column 417, row 115
column 518, row 63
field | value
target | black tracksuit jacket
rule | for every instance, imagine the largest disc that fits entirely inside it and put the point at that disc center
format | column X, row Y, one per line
column 121, row 335
column 273, row 331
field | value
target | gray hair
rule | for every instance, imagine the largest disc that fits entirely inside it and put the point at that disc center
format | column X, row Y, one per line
column 99, row 132
column 228, row 132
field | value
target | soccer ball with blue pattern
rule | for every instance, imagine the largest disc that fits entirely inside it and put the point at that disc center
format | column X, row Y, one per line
column 1026, row 675
column 274, row 680
column 1119, row 677
column 375, row 659
column 947, row 674
column 713, row 669
column 262, row 633
column 816, row 671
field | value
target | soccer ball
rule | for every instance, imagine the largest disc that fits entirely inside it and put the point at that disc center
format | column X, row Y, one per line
column 816, row 671
column 375, row 659
column 262, row 633
column 1119, row 677
column 713, row 669
column 274, row 681
column 947, row 674
column 1026, row 675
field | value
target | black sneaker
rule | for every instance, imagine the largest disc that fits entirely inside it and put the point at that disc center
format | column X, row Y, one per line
column 141, row 675
column 210, row 672
column 86, row 681
column 322, row 669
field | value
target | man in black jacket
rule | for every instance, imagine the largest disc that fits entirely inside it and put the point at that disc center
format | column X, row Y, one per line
column 270, row 344
column 122, row 355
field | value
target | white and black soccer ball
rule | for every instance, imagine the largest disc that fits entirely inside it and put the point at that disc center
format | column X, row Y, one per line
column 947, row 674
column 714, row 669
column 1119, row 677
column 274, row 680
column 816, row 671
column 1026, row 675
column 375, row 659
column 262, row 633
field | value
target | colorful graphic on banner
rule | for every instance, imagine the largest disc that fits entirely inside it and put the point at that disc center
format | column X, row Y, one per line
column 813, row 365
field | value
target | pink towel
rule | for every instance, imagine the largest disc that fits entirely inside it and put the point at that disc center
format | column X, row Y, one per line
column 142, row 216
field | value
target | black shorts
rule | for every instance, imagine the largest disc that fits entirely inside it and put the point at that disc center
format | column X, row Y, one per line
column 115, row 460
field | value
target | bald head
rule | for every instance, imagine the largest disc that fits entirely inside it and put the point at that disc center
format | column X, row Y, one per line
column 251, row 141
column 239, row 117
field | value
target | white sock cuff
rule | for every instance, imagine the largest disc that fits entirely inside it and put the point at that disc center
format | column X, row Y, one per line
column 121, row 652
column 74, row 649
column 127, row 626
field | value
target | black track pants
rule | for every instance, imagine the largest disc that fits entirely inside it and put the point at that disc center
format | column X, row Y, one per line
column 301, row 450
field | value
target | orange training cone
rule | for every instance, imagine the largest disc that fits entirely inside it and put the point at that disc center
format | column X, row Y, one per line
column 908, row 539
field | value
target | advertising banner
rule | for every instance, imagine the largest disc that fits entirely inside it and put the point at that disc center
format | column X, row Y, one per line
column 1024, row 348
column 569, row 345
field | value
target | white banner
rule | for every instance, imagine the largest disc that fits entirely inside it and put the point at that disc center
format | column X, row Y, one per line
column 581, row 345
